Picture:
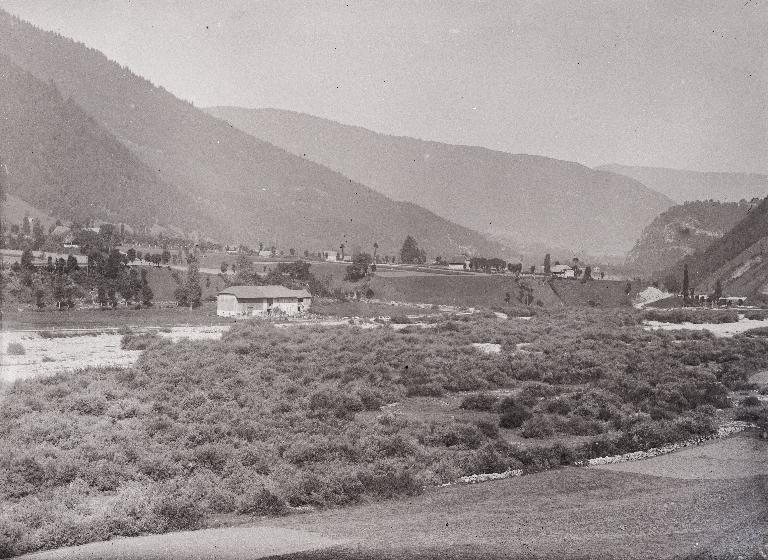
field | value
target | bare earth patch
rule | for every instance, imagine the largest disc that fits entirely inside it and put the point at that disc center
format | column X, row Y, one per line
column 734, row 457
column 241, row 543
column 718, row 329
column 94, row 348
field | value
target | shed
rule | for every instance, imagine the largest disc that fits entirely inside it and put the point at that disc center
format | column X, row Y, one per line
column 458, row 263
column 243, row 301
column 562, row 271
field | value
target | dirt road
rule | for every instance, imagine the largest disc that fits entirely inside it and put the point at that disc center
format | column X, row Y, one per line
column 234, row 543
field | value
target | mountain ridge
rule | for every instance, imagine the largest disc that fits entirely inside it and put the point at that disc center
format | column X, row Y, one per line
column 522, row 197
column 687, row 185
column 249, row 190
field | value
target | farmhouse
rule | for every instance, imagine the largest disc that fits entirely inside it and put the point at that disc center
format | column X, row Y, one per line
column 458, row 263
column 562, row 271
column 242, row 301
column 331, row 256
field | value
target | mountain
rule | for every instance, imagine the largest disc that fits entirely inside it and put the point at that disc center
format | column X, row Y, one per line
column 246, row 189
column 681, row 185
column 683, row 230
column 531, row 201
column 739, row 259
column 60, row 161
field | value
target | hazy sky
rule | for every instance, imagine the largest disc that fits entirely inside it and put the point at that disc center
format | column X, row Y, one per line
column 668, row 83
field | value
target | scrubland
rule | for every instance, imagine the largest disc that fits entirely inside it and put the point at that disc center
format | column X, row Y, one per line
column 268, row 420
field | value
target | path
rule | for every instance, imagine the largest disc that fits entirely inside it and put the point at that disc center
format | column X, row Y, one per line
column 233, row 543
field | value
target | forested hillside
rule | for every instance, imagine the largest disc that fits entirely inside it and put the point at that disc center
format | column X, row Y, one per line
column 249, row 190
column 60, row 160
column 683, row 230
column 739, row 259
column 536, row 202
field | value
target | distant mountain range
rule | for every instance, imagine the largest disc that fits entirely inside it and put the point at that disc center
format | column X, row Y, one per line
column 529, row 201
column 683, row 230
column 114, row 146
column 739, row 259
column 681, row 185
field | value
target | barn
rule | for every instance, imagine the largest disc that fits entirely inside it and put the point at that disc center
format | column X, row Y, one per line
column 265, row 301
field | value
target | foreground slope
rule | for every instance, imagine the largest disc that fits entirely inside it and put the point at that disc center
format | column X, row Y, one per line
column 683, row 230
column 534, row 201
column 250, row 190
column 739, row 259
column 681, row 185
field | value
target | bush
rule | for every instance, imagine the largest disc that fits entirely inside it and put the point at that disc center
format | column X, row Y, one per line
column 139, row 341
column 696, row 316
column 16, row 349
column 751, row 400
column 400, row 320
column 260, row 501
column 513, row 413
column 539, row 426
column 479, row 401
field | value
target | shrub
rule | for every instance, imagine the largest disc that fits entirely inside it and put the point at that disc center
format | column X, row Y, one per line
column 479, row 401
column 400, row 320
column 176, row 509
column 488, row 429
column 538, row 426
column 513, row 413
column 16, row 349
column 139, row 341
column 751, row 400
column 260, row 501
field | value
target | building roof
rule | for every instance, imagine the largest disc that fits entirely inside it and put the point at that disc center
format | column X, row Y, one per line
column 258, row 292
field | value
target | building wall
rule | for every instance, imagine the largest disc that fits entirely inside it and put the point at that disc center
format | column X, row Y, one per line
column 226, row 305
column 229, row 306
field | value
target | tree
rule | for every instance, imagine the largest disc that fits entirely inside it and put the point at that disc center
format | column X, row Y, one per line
column 547, row 264
column 587, row 274
column 38, row 235
column 26, row 259
column 131, row 254
column 686, row 283
column 375, row 251
column 672, row 283
column 224, row 267
column 114, row 264
column 72, row 264
column 628, row 288
column 359, row 267
column 26, row 227
column 718, row 291
column 194, row 291
column 146, row 290
column 342, row 250
column 410, row 252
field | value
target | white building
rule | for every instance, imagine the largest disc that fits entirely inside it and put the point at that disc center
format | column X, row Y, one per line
column 331, row 256
column 264, row 301
column 458, row 263
column 562, row 271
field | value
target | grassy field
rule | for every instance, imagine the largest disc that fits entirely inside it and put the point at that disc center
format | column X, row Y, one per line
column 113, row 318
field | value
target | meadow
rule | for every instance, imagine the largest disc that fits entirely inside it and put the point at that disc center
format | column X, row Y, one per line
column 273, row 420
